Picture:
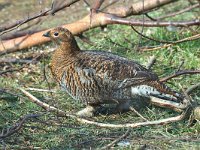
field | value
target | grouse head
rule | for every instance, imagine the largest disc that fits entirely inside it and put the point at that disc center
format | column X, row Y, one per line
column 60, row 35
column 63, row 38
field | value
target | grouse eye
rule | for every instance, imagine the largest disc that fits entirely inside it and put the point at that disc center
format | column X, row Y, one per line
column 56, row 34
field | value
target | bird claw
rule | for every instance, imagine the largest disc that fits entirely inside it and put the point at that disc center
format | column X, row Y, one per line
column 86, row 112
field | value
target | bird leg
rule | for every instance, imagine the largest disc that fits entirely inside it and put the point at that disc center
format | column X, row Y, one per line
column 88, row 111
column 122, row 107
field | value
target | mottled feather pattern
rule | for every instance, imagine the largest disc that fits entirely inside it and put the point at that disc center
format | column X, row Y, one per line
column 97, row 77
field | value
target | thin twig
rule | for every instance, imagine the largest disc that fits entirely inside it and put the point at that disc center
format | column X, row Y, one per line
column 174, row 13
column 17, row 126
column 40, row 90
column 8, row 92
column 11, row 70
column 117, row 140
column 182, row 72
column 178, row 12
column 135, row 111
column 187, row 39
column 193, row 87
column 181, row 65
column 156, row 40
column 51, row 11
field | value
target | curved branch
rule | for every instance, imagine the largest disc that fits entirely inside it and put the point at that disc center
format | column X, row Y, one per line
column 180, row 73
column 17, row 126
column 193, row 87
column 105, row 125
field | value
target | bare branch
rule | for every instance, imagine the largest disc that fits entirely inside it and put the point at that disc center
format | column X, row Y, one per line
column 160, row 41
column 51, row 11
column 193, row 87
column 179, row 12
column 139, row 7
column 40, row 90
column 137, row 113
column 105, row 125
column 116, row 140
column 193, row 37
column 97, row 4
column 180, row 73
column 11, row 70
column 10, row 131
column 178, row 107
column 146, row 23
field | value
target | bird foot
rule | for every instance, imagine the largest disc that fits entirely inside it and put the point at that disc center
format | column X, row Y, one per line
column 122, row 107
column 86, row 112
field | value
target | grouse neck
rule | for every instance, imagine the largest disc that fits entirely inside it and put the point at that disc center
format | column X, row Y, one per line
column 69, row 48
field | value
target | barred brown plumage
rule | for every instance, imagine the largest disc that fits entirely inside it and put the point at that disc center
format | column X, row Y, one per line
column 97, row 77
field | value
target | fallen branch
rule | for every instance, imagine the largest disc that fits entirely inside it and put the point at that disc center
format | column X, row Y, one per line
column 178, row 107
column 116, row 140
column 106, row 125
column 191, row 38
column 18, row 34
column 15, row 60
column 11, row 70
column 97, row 20
column 40, row 90
column 10, row 131
column 193, row 87
column 137, row 113
column 180, row 73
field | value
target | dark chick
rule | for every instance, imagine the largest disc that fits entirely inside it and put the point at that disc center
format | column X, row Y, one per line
column 96, row 77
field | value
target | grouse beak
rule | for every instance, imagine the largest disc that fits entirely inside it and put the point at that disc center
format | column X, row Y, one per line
column 47, row 34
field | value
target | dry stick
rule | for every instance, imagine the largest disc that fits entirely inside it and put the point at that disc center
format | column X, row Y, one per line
column 105, row 125
column 18, row 34
column 117, row 20
column 179, row 12
column 11, row 70
column 17, row 127
column 178, row 107
column 193, row 87
column 174, row 13
column 40, row 90
column 182, row 72
column 116, row 140
column 139, row 7
column 156, row 40
column 194, row 37
column 51, row 11
column 137, row 113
